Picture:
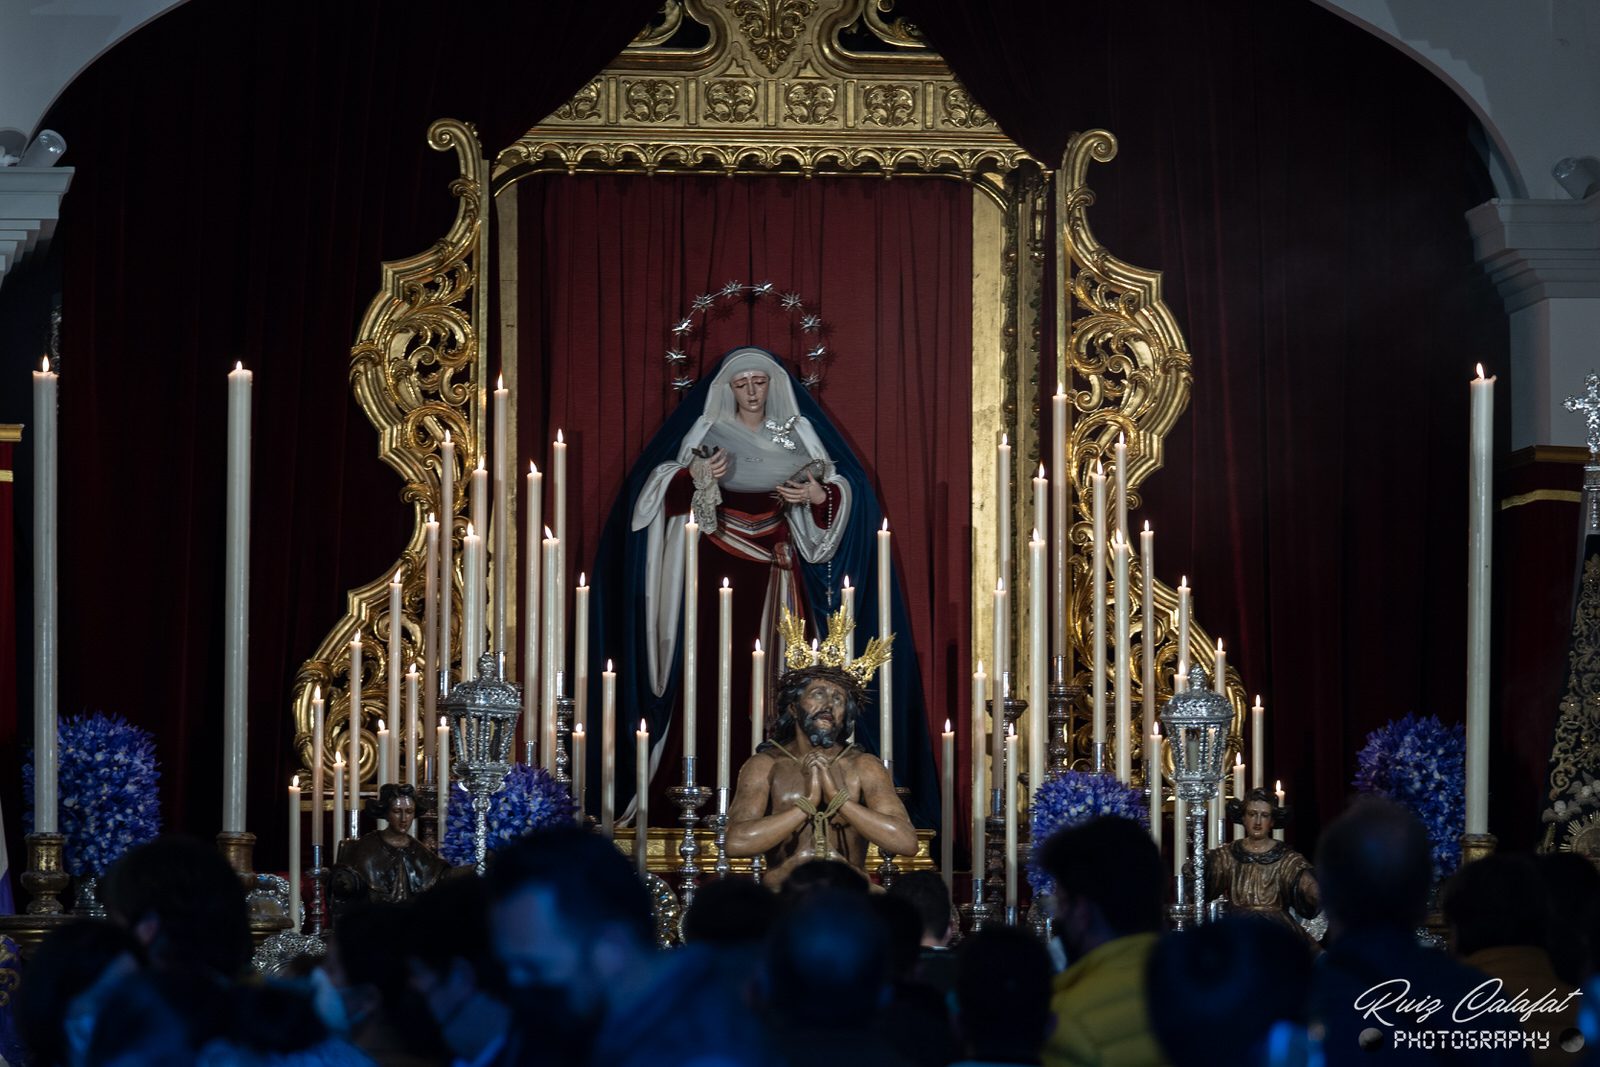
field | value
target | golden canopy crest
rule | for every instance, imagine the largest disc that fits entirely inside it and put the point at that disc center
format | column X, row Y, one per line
column 833, row 648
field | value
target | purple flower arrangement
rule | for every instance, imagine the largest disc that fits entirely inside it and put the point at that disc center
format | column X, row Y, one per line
column 106, row 781
column 1076, row 797
column 531, row 799
column 1421, row 764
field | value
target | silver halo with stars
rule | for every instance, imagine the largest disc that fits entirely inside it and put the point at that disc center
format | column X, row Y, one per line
column 816, row 349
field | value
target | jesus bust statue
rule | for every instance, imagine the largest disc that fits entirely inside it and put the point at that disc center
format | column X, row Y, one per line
column 808, row 793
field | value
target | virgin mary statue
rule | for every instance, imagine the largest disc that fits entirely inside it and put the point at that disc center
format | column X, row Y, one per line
column 786, row 513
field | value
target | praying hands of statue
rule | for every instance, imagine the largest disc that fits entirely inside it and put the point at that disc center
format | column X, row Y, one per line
column 802, row 489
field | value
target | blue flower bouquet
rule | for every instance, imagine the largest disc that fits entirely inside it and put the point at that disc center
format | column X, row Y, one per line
column 531, row 799
column 1073, row 798
column 106, row 782
column 1421, row 764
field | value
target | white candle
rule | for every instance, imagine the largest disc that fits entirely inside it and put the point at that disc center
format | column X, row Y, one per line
column 1147, row 618
column 1277, row 834
column 641, row 794
column 997, row 715
column 1097, row 489
column 442, row 759
column 46, row 653
column 236, row 606
column 1123, row 741
column 847, row 602
column 472, row 596
column 479, row 498
column 430, row 621
column 580, row 656
column 758, row 697
column 885, row 628
column 1041, row 504
column 353, row 759
column 1038, row 684
column 385, row 752
column 294, row 853
column 980, row 783
column 502, row 513
column 1258, row 745
column 1152, row 764
column 724, row 685
column 947, row 808
column 558, row 575
column 1002, row 496
column 1059, row 503
column 318, row 726
column 1238, row 794
column 338, row 810
column 1185, row 609
column 531, row 637
column 1180, row 833
column 580, row 752
column 1011, row 819
column 1214, row 819
column 447, row 562
column 1219, row 683
column 1480, row 533
column 547, row 705
column 1121, row 491
column 396, row 630
column 691, row 633
column 608, row 751
column 410, row 744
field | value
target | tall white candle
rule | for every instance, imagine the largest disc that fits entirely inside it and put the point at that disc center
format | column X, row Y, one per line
column 580, row 765
column 1123, row 742
column 1219, row 682
column 947, row 807
column 532, row 639
column 410, row 745
column 608, row 751
column 479, row 499
column 997, row 715
column 1153, row 780
column 1097, row 491
column 447, row 560
column 396, row 631
column 1059, row 489
column 442, row 759
column 724, row 685
column 502, row 513
column 1214, row 819
column 318, row 756
column 1041, row 504
column 758, row 697
column 980, row 781
column 580, row 655
column 1185, row 609
column 1147, row 619
column 353, row 759
column 847, row 603
column 1277, row 834
column 547, row 704
column 1121, row 492
column 236, row 607
column 430, row 621
column 338, row 811
column 385, row 752
column 691, row 634
column 1258, row 745
column 1480, row 534
column 1180, row 833
column 472, row 596
column 1238, row 794
column 1038, row 667
column 641, row 794
column 46, row 653
column 558, row 575
column 1002, row 496
column 1011, row 819
column 294, row 853
column 885, row 628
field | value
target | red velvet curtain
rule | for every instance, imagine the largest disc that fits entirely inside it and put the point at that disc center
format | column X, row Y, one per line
column 1301, row 185
column 607, row 264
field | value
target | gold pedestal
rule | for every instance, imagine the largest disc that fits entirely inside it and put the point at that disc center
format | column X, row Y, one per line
column 267, row 916
column 45, row 878
column 1476, row 847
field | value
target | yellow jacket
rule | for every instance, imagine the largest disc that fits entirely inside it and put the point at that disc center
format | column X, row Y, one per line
column 1099, row 1004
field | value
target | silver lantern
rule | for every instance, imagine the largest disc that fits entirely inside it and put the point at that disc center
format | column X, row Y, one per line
column 483, row 716
column 1196, row 723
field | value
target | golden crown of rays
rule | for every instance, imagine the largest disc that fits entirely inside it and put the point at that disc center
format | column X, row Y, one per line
column 833, row 649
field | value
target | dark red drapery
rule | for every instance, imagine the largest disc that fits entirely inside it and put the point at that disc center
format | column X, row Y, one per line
column 607, row 264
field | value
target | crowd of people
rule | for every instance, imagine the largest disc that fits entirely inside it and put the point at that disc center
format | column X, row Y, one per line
column 552, row 958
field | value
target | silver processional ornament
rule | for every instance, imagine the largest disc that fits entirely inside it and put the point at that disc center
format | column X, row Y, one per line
column 705, row 304
column 1196, row 723
column 483, row 717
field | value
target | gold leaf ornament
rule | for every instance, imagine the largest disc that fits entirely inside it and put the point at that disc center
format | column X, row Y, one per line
column 833, row 648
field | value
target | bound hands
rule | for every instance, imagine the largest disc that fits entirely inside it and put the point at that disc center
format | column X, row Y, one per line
column 802, row 489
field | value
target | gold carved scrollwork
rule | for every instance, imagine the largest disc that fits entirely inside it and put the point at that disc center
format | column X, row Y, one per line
column 650, row 100
column 810, row 103
column 731, row 100
column 895, row 30
column 961, row 111
column 887, row 105
column 1572, row 808
column 583, row 106
column 772, row 27
column 415, row 371
column 1130, row 373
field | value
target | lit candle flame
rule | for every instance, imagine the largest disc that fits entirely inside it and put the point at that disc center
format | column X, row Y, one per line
column 533, row 468
column 999, row 585
column 725, row 584
column 316, row 694
column 1099, row 469
column 238, row 364
column 847, row 581
column 470, row 531
column 609, row 668
column 583, row 581
column 500, row 382
column 559, row 439
column 885, row 528
column 642, row 728
column 549, row 534
column 758, row 644
column 432, row 519
column 397, row 577
column 44, row 365
column 381, row 726
column 1005, row 441
column 1041, row 471
column 1480, row 372
column 295, row 782
column 1147, row 526
column 447, row 437
column 948, row 728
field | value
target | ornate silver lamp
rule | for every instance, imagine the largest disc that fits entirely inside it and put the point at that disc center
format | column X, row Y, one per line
column 483, row 728
column 1196, row 724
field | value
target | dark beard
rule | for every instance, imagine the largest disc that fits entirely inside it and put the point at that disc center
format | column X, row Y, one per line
column 819, row 737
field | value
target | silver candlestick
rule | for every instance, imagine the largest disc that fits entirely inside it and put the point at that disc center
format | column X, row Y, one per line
column 1196, row 724
column 483, row 726
column 720, row 822
column 690, row 798
column 565, row 708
